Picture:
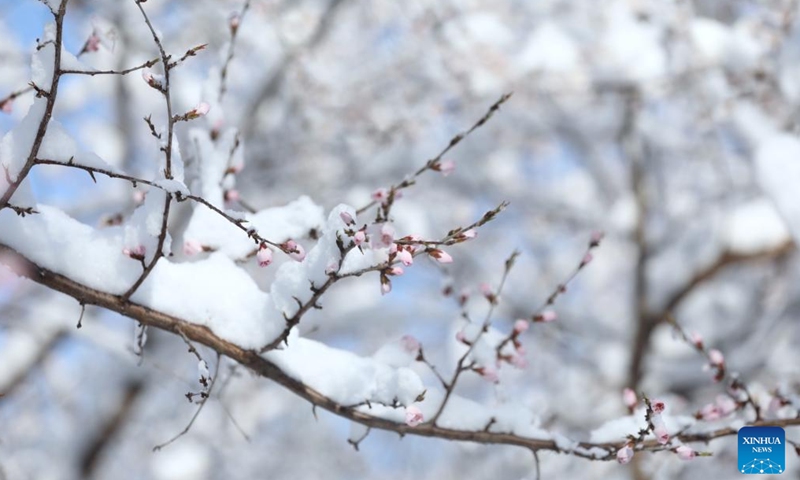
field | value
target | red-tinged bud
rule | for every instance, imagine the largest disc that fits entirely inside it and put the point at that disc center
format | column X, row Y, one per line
column 440, row 255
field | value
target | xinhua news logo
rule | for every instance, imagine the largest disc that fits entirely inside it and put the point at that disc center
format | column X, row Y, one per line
column 762, row 450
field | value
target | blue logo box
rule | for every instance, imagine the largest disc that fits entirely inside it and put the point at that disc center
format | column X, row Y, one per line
column 762, row 450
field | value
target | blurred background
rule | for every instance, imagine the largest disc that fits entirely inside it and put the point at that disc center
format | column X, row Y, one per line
column 668, row 124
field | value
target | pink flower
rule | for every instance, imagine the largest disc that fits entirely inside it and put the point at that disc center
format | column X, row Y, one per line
column 520, row 326
column 5, row 105
column 546, row 316
column 410, row 344
column 446, row 167
column 658, row 406
column 294, row 250
column 685, row 453
column 232, row 196
column 405, row 257
column 347, row 218
column 661, row 434
column 387, row 234
column 629, row 398
column 359, row 238
column 460, row 336
column 440, row 255
column 716, row 358
column 381, row 236
column 624, row 455
column 486, row 290
column 586, row 259
column 264, row 256
column 697, row 339
column 192, row 247
column 413, row 416
column 380, row 195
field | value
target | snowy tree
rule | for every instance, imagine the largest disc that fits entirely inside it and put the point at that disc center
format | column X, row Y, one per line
column 550, row 239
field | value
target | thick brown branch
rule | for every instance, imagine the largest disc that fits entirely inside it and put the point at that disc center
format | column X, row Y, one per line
column 265, row 368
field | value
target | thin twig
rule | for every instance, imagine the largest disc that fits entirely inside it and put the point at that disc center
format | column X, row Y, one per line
column 196, row 413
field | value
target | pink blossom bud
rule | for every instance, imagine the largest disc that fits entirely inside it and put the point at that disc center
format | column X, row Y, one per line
column 546, row 316
column 233, row 22
column 136, row 252
column 359, row 237
column 629, row 398
column 410, row 344
column 332, row 267
column 440, row 255
column 520, row 326
column 460, row 336
column 489, row 373
column 716, row 358
column 347, row 218
column 192, row 247
column 92, row 43
column 709, row 413
column 596, row 238
column 661, row 434
column 201, row 109
column 405, row 257
column 697, row 339
column 380, row 195
column 413, row 416
column 264, row 256
column 155, row 81
column 446, row 167
column 658, row 406
column 395, row 271
column 294, row 250
column 624, row 455
column 392, row 249
column 5, row 105
column 486, row 290
column 138, row 197
column 586, row 259
column 232, row 196
column 467, row 234
column 387, row 234
column 685, row 453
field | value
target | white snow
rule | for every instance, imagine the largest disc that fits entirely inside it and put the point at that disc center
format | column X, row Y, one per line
column 549, row 49
column 754, row 227
column 777, row 162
